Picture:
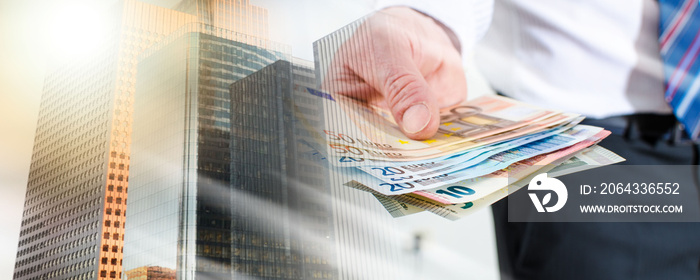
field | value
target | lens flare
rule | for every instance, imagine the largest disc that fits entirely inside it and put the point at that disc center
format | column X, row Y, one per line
column 75, row 31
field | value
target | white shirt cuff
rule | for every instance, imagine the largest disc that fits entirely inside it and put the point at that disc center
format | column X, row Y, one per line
column 468, row 19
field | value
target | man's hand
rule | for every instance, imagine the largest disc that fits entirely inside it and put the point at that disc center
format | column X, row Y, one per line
column 405, row 61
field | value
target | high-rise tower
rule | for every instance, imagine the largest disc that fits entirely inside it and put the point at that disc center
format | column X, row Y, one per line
column 237, row 16
column 180, row 211
column 282, row 202
column 74, row 214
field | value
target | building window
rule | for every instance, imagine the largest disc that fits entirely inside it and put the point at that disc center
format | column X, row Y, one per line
column 111, row 176
column 116, row 224
column 114, row 154
column 108, row 223
column 112, row 165
column 114, row 261
column 120, row 188
column 119, row 200
column 108, row 211
column 110, row 188
column 121, row 166
column 109, row 199
column 113, row 274
column 105, row 248
column 120, row 177
column 115, row 249
column 115, row 237
column 118, row 212
column 103, row 273
column 106, row 235
column 104, row 260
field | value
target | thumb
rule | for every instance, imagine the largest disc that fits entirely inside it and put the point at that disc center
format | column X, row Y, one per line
column 411, row 101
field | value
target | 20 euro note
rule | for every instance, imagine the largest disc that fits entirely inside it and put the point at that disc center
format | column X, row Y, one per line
column 473, row 174
column 357, row 129
column 493, row 157
column 459, row 186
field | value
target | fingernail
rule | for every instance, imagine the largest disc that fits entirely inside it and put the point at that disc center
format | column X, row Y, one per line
column 416, row 118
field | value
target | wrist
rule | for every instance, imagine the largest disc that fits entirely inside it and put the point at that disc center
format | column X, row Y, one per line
column 448, row 31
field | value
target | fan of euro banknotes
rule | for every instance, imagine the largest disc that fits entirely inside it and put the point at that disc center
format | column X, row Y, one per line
column 485, row 149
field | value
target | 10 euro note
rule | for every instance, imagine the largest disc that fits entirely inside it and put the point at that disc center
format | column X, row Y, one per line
column 408, row 204
column 482, row 186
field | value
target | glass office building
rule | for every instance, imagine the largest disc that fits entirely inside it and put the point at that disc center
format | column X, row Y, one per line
column 74, row 216
column 238, row 16
column 73, row 221
column 180, row 215
column 282, row 225
column 194, row 114
column 223, row 184
column 62, row 223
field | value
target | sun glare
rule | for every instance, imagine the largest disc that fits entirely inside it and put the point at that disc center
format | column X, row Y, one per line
column 75, row 32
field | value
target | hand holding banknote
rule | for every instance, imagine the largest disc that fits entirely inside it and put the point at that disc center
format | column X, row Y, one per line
column 383, row 131
column 405, row 61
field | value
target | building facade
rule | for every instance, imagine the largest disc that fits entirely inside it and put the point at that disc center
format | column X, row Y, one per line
column 190, row 115
column 282, row 223
column 179, row 211
column 74, row 215
column 238, row 16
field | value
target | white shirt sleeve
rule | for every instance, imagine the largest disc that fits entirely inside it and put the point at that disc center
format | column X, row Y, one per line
column 468, row 19
column 599, row 58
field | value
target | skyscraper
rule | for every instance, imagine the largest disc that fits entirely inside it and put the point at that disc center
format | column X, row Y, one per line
column 216, row 189
column 74, row 215
column 237, row 16
column 283, row 222
column 222, row 186
column 180, row 212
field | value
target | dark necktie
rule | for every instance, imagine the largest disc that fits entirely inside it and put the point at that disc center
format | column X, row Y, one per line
column 679, row 41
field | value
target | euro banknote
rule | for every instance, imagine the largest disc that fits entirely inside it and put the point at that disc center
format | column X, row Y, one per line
column 481, row 148
column 360, row 130
column 482, row 185
column 485, row 162
column 403, row 205
column 462, row 178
